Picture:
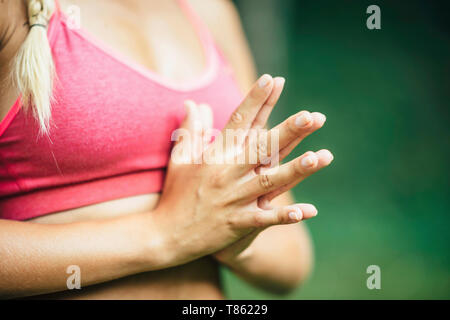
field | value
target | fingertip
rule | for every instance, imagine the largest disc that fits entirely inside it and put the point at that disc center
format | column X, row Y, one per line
column 319, row 119
column 308, row 210
column 278, row 85
column 190, row 107
column 264, row 80
column 325, row 157
column 189, row 103
column 304, row 119
column 309, row 160
column 279, row 81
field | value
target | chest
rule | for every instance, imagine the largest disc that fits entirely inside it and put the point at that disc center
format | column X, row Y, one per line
column 157, row 35
column 111, row 116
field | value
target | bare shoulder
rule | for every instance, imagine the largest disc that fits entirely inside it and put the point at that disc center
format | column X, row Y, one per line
column 215, row 11
column 13, row 31
column 13, row 28
column 223, row 20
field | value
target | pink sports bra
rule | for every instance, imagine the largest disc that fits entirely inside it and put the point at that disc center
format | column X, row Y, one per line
column 110, row 129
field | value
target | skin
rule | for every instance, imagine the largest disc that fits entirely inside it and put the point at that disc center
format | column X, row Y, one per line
column 160, row 246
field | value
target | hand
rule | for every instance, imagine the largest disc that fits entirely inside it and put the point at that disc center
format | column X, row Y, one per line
column 205, row 207
column 237, row 252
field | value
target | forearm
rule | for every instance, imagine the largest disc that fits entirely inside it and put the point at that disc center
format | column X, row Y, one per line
column 34, row 257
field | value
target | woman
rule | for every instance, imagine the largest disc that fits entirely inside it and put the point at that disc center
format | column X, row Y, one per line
column 89, row 182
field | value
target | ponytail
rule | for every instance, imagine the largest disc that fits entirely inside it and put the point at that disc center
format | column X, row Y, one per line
column 34, row 70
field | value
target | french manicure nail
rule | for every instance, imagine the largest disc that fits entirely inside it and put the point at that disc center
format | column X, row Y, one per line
column 303, row 120
column 264, row 80
column 280, row 81
column 294, row 216
column 307, row 161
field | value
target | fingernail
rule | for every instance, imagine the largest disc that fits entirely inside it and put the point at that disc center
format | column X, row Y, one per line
column 264, row 80
column 294, row 216
column 280, row 81
column 303, row 120
column 308, row 161
column 326, row 155
column 321, row 118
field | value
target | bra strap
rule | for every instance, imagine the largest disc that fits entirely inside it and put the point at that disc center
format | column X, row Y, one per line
column 58, row 7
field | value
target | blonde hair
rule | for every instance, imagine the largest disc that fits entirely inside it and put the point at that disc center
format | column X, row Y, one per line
column 33, row 70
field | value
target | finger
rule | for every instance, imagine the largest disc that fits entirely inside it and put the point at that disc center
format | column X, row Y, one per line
column 187, row 136
column 298, row 126
column 286, row 174
column 207, row 123
column 196, row 128
column 325, row 158
column 187, row 125
column 206, row 115
column 244, row 115
column 270, row 147
column 192, row 121
column 308, row 210
column 264, row 113
column 266, row 218
column 318, row 122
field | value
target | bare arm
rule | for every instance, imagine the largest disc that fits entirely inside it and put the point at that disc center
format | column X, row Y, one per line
column 34, row 257
column 280, row 257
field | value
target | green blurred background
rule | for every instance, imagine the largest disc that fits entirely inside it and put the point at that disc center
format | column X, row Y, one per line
column 384, row 200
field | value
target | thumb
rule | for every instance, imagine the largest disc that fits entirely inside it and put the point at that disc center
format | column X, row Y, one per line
column 188, row 136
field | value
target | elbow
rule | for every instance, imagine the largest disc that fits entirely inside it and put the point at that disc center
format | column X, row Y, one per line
column 290, row 276
column 294, row 279
column 299, row 270
column 299, row 276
